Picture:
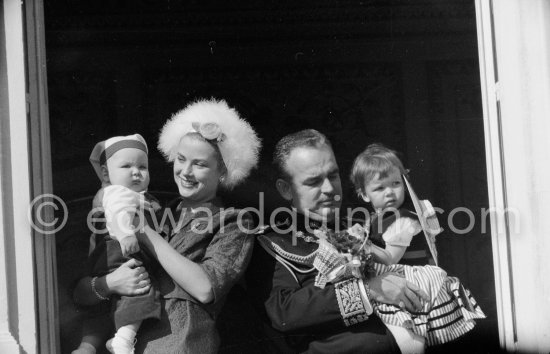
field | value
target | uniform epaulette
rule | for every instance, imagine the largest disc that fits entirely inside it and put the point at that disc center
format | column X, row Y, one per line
column 265, row 229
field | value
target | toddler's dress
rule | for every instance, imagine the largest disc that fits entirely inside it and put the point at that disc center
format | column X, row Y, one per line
column 451, row 311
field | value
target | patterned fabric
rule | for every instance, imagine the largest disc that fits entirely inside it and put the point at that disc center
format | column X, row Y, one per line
column 213, row 238
column 327, row 259
column 450, row 313
column 175, row 333
column 350, row 302
column 310, row 318
column 329, row 264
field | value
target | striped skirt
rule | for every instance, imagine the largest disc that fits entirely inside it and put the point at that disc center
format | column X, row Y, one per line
column 450, row 313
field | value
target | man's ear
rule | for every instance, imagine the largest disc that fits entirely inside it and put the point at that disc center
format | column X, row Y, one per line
column 284, row 188
column 364, row 197
column 105, row 174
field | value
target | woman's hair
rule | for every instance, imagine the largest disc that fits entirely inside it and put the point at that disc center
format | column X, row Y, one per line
column 219, row 159
column 376, row 161
column 287, row 144
column 218, row 124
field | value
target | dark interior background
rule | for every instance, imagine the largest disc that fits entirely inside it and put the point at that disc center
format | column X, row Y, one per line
column 403, row 73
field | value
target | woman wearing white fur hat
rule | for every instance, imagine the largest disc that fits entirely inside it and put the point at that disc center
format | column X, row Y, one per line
column 208, row 250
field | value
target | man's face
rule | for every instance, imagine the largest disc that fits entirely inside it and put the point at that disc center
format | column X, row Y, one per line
column 315, row 184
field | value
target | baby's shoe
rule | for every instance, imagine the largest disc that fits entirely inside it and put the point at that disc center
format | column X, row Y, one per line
column 119, row 345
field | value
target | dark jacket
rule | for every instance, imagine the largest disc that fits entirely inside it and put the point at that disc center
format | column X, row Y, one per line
column 217, row 240
column 332, row 319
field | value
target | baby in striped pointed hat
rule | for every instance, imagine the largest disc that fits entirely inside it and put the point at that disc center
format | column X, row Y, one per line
column 121, row 163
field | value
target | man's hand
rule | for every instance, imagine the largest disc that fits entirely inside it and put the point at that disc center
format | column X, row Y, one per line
column 129, row 245
column 394, row 289
column 128, row 279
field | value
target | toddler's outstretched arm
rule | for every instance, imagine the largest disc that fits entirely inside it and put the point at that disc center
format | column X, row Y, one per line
column 121, row 205
column 388, row 256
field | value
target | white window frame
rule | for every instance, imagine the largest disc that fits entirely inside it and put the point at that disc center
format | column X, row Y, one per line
column 500, row 237
column 41, row 177
column 514, row 49
column 515, row 82
column 28, row 298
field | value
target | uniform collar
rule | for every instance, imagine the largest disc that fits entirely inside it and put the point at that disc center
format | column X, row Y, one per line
column 301, row 249
column 302, row 222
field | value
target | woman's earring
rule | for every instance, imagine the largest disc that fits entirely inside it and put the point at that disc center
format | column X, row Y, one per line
column 222, row 178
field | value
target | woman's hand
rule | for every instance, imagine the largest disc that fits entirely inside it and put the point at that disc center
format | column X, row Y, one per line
column 128, row 279
column 394, row 289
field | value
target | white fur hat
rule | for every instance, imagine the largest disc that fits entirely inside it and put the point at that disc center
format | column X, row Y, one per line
column 217, row 122
column 105, row 149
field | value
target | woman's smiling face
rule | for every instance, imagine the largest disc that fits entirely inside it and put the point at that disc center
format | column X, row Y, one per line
column 197, row 171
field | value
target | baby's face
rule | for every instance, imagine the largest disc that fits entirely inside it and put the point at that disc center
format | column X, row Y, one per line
column 129, row 168
column 384, row 193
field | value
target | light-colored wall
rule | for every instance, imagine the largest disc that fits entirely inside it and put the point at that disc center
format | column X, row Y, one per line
column 522, row 36
column 517, row 115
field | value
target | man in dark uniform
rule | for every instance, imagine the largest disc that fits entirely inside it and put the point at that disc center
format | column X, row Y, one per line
column 281, row 277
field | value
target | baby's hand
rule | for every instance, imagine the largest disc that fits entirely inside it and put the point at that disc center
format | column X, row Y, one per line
column 129, row 245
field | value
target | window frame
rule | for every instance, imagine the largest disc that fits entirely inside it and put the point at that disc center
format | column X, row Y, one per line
column 25, row 173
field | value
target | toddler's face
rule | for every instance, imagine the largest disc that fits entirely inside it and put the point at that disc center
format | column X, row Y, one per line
column 129, row 168
column 384, row 193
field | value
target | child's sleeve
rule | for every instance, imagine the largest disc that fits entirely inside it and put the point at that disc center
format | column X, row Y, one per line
column 401, row 232
column 120, row 204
